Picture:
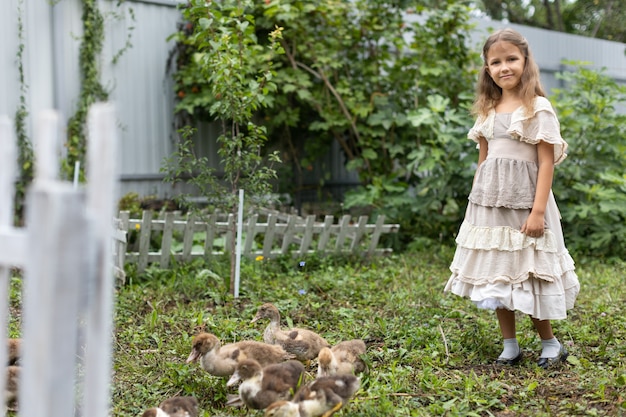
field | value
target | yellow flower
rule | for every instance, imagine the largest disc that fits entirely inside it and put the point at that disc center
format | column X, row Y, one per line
column 259, row 258
column 137, row 226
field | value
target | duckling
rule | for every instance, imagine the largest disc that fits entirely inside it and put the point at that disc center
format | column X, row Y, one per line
column 180, row 406
column 261, row 387
column 303, row 343
column 343, row 358
column 221, row 360
column 11, row 388
column 323, row 397
column 154, row 412
column 15, row 348
column 174, row 407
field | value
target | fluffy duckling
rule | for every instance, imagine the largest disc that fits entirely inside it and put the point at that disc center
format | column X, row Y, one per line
column 180, row 406
column 154, row 412
column 303, row 343
column 15, row 348
column 11, row 388
column 343, row 358
column 174, row 407
column 221, row 360
column 322, row 397
column 261, row 387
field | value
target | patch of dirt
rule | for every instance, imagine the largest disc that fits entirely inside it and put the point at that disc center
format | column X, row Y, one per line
column 560, row 389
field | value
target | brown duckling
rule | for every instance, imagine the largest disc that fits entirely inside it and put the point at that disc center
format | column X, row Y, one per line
column 261, row 386
column 342, row 358
column 154, row 412
column 303, row 343
column 174, row 407
column 15, row 348
column 12, row 385
column 323, row 396
column 221, row 360
column 180, row 406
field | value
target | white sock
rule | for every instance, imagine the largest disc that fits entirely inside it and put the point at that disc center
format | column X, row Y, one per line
column 550, row 348
column 511, row 349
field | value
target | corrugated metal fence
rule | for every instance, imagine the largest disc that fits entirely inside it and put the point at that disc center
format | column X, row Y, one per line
column 141, row 86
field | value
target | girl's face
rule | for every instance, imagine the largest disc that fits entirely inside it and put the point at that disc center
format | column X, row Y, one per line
column 505, row 64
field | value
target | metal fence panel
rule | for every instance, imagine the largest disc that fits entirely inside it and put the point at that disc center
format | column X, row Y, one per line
column 142, row 88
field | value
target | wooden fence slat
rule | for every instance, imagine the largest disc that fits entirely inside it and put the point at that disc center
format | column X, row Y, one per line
column 308, row 235
column 325, row 234
column 56, row 218
column 120, row 237
column 250, row 233
column 344, row 227
column 166, row 243
column 101, row 174
column 268, row 241
column 188, row 237
column 359, row 232
column 211, row 230
column 376, row 235
column 55, row 284
column 144, row 240
column 122, row 246
column 13, row 247
column 288, row 234
column 230, row 234
column 8, row 170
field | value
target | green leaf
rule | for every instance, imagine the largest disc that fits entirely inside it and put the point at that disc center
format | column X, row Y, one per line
column 205, row 23
column 437, row 103
column 421, row 117
column 368, row 153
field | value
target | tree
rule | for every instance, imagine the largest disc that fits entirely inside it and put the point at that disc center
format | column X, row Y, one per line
column 389, row 82
column 238, row 71
column 602, row 19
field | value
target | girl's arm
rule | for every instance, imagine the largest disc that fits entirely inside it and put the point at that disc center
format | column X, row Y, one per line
column 533, row 226
column 482, row 152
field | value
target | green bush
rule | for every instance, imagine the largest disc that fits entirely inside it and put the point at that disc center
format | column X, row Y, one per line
column 392, row 86
column 389, row 86
column 591, row 184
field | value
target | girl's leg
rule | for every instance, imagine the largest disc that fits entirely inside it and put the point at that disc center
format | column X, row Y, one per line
column 544, row 328
column 551, row 349
column 506, row 319
column 511, row 354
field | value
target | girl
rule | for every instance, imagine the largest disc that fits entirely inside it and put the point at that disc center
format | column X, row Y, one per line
column 510, row 252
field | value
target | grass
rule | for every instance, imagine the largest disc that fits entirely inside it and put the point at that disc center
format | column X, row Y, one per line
column 429, row 353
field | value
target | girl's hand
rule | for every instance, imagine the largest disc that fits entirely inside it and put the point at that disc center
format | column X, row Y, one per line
column 533, row 226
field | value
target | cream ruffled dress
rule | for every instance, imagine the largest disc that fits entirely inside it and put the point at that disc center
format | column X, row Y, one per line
column 495, row 264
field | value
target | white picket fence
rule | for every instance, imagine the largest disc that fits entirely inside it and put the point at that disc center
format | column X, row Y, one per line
column 166, row 236
column 64, row 253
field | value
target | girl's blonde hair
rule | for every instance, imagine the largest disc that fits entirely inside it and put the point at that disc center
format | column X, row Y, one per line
column 487, row 91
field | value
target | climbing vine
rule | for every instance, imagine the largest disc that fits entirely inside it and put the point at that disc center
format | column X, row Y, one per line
column 91, row 89
column 25, row 149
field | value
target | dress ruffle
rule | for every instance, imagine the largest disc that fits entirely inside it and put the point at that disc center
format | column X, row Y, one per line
column 481, row 267
column 539, row 299
column 543, row 289
column 505, row 183
column 503, row 238
column 542, row 125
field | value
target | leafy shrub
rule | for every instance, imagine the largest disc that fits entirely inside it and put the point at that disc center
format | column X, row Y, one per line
column 387, row 82
column 591, row 184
